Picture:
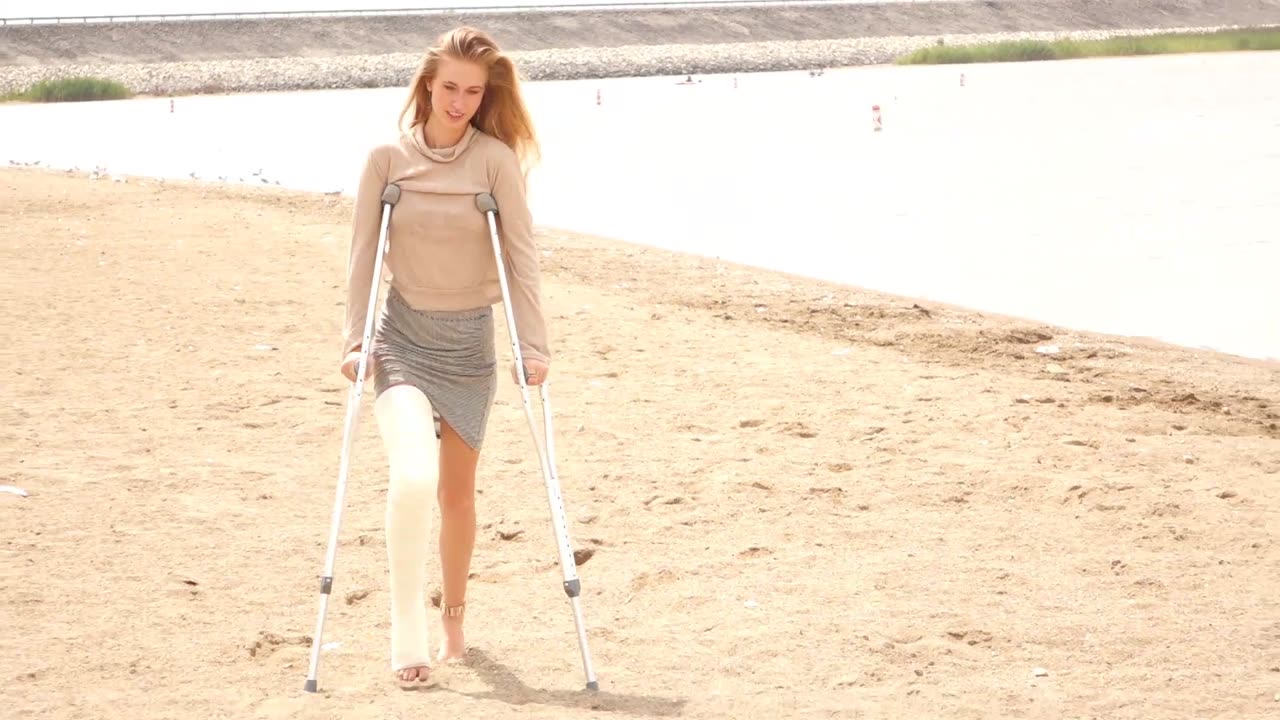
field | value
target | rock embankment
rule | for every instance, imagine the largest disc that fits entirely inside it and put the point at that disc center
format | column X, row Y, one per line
column 314, row 37
column 171, row 58
column 277, row 74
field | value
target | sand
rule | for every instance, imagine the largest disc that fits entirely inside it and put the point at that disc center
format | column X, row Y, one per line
column 803, row 499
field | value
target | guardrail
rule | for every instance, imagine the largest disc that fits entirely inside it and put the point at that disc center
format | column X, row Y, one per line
column 285, row 14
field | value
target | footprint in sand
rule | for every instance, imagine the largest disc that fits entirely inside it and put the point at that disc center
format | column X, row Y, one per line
column 664, row 500
column 647, row 580
column 268, row 642
column 970, row 637
column 833, row 491
column 798, row 429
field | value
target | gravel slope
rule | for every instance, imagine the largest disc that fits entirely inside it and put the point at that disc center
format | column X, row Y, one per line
column 333, row 37
column 307, row 53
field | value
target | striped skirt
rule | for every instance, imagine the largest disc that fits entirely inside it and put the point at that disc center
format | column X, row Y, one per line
column 448, row 355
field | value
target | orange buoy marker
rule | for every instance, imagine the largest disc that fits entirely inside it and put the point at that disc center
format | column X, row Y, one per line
column 877, row 125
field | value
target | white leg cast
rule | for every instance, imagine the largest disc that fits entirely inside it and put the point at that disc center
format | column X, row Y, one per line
column 408, row 434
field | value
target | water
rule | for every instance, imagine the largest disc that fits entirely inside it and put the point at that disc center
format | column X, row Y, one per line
column 1129, row 196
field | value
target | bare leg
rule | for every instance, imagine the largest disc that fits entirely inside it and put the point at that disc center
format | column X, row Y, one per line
column 457, row 497
column 404, row 419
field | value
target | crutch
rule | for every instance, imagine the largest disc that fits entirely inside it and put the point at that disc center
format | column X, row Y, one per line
column 572, row 586
column 390, row 196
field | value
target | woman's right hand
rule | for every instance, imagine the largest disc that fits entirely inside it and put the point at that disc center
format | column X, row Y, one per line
column 352, row 363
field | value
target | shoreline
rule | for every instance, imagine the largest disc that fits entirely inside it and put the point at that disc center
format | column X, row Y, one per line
column 623, row 250
column 1235, row 341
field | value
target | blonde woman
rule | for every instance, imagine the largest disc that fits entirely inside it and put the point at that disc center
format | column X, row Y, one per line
column 433, row 360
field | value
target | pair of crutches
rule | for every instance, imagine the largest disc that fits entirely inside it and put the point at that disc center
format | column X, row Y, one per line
column 572, row 586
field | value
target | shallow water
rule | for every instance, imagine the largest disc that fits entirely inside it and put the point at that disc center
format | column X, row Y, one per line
column 1132, row 196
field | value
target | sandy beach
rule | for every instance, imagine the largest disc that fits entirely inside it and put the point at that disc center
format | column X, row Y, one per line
column 798, row 499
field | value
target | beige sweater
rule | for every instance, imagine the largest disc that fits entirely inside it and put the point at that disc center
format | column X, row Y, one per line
column 440, row 255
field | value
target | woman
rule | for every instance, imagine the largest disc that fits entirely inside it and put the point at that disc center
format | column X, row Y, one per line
column 433, row 360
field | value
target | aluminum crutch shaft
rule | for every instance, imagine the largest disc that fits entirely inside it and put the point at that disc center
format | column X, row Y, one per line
column 572, row 585
column 390, row 196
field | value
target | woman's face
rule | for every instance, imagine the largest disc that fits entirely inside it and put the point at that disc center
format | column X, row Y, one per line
column 456, row 90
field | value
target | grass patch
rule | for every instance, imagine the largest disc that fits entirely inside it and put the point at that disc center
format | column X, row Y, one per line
column 1031, row 50
column 75, row 89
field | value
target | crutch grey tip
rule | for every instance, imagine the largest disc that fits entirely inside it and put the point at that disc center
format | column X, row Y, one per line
column 593, row 686
column 391, row 194
column 485, row 203
column 310, row 686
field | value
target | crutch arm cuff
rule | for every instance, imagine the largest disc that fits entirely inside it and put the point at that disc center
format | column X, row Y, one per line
column 366, row 227
column 515, row 232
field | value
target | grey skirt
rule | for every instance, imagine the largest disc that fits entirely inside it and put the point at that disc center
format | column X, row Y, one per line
column 448, row 355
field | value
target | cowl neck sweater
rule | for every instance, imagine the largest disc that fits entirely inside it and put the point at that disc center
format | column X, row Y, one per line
column 440, row 255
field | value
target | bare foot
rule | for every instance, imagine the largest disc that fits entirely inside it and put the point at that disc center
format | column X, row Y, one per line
column 417, row 673
column 454, row 646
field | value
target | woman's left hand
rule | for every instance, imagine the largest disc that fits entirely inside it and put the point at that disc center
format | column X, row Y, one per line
column 535, row 372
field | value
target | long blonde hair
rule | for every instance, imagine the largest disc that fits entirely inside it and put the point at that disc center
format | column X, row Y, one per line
column 502, row 112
